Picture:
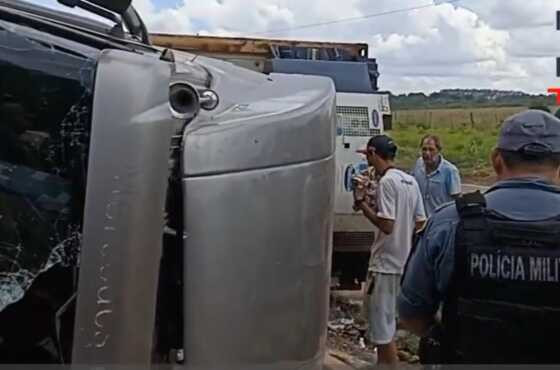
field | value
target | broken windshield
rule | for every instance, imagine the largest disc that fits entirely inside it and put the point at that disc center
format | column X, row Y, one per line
column 45, row 114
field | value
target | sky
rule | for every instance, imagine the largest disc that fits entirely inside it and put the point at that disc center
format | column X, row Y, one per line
column 496, row 44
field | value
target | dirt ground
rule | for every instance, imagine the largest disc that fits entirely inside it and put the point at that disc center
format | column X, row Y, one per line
column 347, row 335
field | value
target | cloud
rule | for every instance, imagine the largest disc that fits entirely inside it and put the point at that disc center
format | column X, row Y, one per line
column 512, row 14
column 485, row 43
column 471, row 43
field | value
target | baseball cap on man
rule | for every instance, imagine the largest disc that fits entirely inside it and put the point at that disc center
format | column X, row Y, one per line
column 532, row 132
column 383, row 145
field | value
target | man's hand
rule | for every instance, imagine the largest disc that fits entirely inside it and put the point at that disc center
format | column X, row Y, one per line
column 357, row 206
column 359, row 193
column 359, row 197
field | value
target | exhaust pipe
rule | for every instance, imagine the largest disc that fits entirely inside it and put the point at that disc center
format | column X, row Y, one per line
column 185, row 101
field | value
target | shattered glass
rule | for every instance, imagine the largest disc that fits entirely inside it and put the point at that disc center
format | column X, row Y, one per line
column 45, row 114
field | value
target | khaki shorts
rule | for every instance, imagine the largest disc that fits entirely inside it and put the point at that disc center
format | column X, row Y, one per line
column 381, row 306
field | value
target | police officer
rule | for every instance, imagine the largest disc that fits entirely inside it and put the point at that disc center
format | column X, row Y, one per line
column 493, row 260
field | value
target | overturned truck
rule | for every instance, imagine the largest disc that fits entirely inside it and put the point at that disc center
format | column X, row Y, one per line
column 156, row 207
column 362, row 111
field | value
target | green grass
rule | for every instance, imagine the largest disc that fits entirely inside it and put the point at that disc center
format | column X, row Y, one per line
column 468, row 135
column 468, row 148
column 454, row 118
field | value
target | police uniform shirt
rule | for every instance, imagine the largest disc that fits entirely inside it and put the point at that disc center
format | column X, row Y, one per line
column 430, row 269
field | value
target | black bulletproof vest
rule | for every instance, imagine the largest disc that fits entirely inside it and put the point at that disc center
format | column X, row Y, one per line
column 504, row 299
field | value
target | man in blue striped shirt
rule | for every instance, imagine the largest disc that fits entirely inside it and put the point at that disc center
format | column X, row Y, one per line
column 439, row 179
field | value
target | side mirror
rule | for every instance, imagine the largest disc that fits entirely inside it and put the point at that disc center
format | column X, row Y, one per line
column 108, row 8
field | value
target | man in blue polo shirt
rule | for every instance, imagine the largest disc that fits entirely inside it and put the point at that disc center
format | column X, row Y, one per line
column 493, row 260
column 438, row 178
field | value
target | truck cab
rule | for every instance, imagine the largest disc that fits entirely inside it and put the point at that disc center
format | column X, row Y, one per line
column 150, row 213
column 362, row 111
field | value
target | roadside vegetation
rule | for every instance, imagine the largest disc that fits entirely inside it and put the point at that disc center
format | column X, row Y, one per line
column 468, row 136
column 469, row 149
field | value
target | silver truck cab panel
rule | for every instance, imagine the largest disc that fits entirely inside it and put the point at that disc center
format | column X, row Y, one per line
column 258, row 207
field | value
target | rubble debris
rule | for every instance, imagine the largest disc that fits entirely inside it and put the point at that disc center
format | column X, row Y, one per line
column 354, row 362
column 404, row 356
column 408, row 342
column 347, row 340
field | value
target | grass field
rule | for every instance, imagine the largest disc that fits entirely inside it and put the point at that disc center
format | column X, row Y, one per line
column 468, row 148
column 454, row 118
column 468, row 135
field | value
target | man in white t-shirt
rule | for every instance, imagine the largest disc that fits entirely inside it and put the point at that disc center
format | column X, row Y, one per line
column 399, row 212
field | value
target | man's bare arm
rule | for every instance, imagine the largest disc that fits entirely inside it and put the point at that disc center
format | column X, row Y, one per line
column 383, row 224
